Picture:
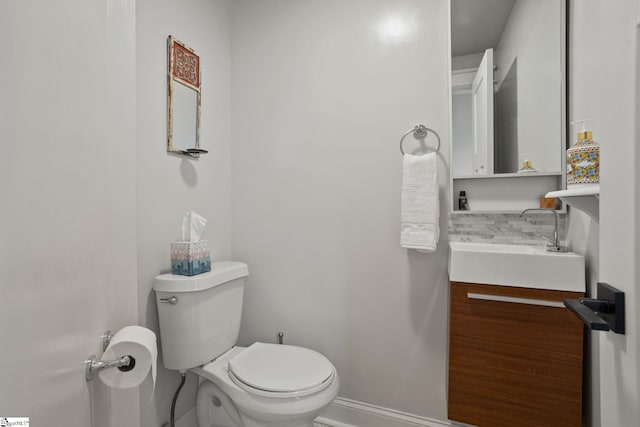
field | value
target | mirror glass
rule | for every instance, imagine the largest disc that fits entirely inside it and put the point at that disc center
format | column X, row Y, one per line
column 183, row 99
column 185, row 111
column 508, row 86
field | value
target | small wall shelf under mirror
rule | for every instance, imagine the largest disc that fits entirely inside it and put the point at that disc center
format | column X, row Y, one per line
column 583, row 197
column 508, row 103
column 504, row 193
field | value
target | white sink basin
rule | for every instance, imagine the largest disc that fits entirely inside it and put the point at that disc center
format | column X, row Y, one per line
column 516, row 265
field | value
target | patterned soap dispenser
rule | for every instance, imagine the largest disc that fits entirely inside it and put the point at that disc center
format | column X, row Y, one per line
column 583, row 159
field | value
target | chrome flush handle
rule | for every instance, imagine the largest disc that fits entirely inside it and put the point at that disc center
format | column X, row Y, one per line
column 172, row 300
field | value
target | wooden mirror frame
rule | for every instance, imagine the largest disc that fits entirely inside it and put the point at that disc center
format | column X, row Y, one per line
column 184, row 68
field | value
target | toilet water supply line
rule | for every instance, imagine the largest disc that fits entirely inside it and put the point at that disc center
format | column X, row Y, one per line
column 175, row 399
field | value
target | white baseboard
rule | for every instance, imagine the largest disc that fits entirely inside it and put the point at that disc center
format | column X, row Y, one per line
column 351, row 413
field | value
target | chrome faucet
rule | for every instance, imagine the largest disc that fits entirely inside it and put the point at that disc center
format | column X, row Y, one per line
column 554, row 245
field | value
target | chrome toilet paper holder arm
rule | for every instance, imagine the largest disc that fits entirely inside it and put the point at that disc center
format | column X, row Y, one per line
column 93, row 366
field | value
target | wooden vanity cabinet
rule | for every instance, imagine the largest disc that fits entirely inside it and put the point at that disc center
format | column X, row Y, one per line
column 515, row 357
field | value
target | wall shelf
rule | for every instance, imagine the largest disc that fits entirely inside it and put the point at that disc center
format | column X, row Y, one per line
column 500, row 193
column 584, row 197
column 509, row 175
column 487, row 212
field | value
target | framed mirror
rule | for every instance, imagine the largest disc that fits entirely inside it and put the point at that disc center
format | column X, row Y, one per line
column 508, row 87
column 183, row 99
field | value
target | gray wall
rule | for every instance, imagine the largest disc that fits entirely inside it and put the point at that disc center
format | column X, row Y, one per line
column 169, row 185
column 604, row 88
column 322, row 92
column 67, row 222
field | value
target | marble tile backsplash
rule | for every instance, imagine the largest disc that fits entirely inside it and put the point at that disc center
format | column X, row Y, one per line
column 505, row 228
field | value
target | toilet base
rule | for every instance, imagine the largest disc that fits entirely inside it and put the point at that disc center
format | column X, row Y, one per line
column 215, row 409
column 248, row 422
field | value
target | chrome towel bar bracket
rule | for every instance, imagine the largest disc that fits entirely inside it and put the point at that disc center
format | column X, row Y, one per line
column 420, row 132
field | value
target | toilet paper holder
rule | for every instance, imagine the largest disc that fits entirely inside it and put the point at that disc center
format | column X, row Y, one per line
column 93, row 366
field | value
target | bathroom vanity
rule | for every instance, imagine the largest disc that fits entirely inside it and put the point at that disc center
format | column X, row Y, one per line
column 513, row 363
column 515, row 351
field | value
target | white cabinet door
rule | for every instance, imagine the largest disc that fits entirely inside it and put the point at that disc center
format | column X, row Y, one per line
column 482, row 93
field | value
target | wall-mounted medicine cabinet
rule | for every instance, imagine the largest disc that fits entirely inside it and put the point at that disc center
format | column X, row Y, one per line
column 508, row 103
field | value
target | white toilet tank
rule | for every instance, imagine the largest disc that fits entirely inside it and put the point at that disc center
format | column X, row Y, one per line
column 199, row 315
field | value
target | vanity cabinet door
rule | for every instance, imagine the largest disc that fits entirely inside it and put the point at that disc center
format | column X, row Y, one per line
column 515, row 357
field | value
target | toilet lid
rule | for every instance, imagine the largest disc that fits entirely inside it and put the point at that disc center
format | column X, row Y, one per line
column 280, row 368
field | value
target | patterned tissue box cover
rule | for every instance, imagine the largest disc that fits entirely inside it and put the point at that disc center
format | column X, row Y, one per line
column 190, row 258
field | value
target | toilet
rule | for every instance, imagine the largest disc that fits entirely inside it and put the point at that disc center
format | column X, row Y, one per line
column 262, row 385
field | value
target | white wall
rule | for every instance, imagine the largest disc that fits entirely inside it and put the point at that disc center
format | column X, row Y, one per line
column 604, row 87
column 322, row 92
column 533, row 27
column 583, row 238
column 68, row 222
column 169, row 185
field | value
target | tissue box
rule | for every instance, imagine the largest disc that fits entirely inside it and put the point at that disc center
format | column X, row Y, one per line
column 190, row 258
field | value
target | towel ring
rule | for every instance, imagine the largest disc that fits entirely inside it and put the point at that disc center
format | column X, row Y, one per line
column 420, row 132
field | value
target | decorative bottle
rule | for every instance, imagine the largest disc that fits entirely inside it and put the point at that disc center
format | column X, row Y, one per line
column 583, row 159
column 526, row 165
column 463, row 204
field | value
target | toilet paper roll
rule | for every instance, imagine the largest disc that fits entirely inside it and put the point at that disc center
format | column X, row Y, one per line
column 139, row 343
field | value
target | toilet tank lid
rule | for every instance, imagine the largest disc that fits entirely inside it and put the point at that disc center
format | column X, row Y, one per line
column 221, row 272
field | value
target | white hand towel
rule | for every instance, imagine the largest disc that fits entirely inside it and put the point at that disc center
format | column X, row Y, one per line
column 420, row 216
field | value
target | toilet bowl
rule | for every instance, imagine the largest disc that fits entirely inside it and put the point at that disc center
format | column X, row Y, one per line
column 262, row 385
column 265, row 385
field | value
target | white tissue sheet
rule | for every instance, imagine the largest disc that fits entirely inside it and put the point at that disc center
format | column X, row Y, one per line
column 420, row 203
column 192, row 226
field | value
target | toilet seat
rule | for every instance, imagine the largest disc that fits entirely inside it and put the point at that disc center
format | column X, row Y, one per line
column 280, row 371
